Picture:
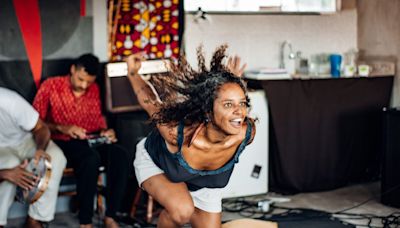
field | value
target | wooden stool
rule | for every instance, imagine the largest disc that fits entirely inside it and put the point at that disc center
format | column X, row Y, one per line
column 68, row 172
column 151, row 210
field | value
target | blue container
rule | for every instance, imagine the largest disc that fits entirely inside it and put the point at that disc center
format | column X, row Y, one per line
column 336, row 61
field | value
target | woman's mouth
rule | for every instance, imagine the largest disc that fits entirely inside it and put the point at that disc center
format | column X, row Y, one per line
column 236, row 122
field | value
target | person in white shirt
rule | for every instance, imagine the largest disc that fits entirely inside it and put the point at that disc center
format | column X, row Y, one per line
column 23, row 136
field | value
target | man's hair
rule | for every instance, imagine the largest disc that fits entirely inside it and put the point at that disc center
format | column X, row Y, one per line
column 89, row 62
column 189, row 94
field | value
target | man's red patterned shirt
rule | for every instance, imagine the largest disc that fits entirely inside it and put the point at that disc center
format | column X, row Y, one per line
column 57, row 104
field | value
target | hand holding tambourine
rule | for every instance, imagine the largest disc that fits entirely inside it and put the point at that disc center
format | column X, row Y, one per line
column 41, row 169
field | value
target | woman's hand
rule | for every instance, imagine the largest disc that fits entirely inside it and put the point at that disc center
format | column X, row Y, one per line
column 233, row 66
column 134, row 63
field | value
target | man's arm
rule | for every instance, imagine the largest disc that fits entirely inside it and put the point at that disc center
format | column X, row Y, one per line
column 72, row 131
column 55, row 128
column 41, row 135
column 3, row 173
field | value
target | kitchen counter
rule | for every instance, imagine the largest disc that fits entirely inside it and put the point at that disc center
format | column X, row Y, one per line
column 324, row 133
column 285, row 76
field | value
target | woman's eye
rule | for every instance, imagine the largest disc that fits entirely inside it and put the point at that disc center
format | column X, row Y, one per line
column 228, row 105
column 243, row 104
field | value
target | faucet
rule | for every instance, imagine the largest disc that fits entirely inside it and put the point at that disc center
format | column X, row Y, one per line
column 292, row 55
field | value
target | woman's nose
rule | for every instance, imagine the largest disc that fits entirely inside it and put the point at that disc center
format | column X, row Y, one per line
column 238, row 109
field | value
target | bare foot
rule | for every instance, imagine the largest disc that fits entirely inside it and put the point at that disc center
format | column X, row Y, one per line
column 110, row 223
column 86, row 226
column 32, row 223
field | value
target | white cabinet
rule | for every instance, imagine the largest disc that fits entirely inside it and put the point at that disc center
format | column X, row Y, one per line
column 316, row 6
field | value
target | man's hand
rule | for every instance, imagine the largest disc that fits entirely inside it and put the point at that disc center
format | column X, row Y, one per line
column 110, row 134
column 134, row 63
column 233, row 66
column 20, row 177
column 73, row 131
column 41, row 154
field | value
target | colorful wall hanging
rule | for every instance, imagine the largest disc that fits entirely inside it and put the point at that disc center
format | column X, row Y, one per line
column 152, row 26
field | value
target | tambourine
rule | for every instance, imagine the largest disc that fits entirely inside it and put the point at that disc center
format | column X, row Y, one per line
column 43, row 171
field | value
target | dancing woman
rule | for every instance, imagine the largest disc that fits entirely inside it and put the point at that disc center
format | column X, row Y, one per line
column 201, row 129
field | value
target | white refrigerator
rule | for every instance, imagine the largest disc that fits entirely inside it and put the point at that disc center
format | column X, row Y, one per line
column 250, row 175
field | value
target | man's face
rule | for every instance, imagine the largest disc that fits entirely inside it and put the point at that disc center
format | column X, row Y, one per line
column 80, row 79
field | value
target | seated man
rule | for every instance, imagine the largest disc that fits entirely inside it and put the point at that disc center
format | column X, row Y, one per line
column 71, row 106
column 22, row 136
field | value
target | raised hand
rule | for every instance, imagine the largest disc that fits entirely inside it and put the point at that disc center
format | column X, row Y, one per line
column 233, row 66
column 134, row 63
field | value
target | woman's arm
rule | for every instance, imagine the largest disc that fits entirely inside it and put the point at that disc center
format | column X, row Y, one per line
column 147, row 99
column 143, row 92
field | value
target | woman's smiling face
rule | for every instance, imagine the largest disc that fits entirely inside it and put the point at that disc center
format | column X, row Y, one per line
column 230, row 108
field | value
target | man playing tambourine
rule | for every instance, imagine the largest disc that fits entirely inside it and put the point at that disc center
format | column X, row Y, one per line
column 24, row 136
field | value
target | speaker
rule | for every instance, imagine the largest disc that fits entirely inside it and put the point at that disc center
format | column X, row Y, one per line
column 390, row 183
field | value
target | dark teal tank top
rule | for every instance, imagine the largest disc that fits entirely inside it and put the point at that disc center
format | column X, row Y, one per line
column 178, row 170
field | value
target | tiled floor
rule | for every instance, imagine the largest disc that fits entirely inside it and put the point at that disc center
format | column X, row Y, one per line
column 330, row 201
column 340, row 200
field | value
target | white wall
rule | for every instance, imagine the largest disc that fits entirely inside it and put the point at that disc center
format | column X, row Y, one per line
column 256, row 38
column 100, row 37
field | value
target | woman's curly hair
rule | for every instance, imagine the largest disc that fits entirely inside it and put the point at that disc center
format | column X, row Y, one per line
column 188, row 94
